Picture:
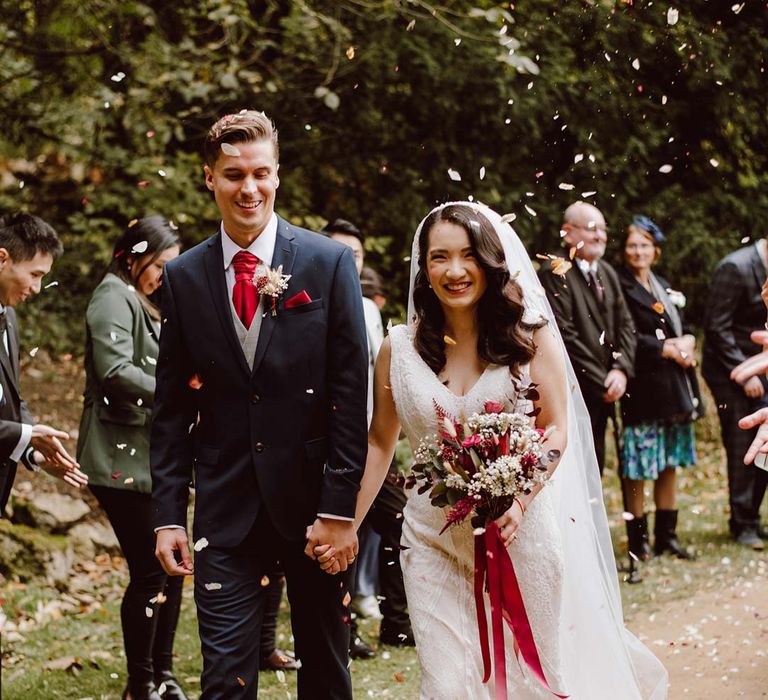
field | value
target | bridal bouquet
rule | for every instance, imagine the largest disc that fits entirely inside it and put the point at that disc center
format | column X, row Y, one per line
column 481, row 465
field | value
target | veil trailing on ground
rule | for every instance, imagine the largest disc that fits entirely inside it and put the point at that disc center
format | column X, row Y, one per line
column 602, row 660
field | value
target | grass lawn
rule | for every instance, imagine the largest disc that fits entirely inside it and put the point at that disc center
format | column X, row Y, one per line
column 67, row 644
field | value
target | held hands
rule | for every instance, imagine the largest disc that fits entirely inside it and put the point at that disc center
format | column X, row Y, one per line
column 332, row 543
column 169, row 541
column 72, row 476
column 615, row 385
column 46, row 441
column 510, row 522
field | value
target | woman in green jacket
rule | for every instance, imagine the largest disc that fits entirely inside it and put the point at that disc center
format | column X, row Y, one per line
column 123, row 327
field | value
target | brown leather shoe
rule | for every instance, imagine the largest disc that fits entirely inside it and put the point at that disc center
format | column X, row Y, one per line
column 279, row 660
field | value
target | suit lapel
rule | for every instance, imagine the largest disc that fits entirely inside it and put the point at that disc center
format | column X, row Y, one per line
column 217, row 283
column 758, row 268
column 285, row 254
column 10, row 359
column 644, row 298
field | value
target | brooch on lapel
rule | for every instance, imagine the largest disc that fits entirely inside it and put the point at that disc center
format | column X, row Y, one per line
column 271, row 283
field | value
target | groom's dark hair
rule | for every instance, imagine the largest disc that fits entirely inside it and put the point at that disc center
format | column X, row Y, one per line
column 25, row 235
column 247, row 126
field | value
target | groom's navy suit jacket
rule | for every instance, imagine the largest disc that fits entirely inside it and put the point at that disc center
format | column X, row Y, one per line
column 289, row 436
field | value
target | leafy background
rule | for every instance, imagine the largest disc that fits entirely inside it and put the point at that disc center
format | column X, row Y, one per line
column 105, row 104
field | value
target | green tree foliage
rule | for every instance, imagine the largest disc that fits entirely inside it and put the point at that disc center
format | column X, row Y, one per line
column 533, row 104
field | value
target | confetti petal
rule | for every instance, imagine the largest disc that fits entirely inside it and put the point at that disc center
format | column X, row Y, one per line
column 230, row 150
column 672, row 16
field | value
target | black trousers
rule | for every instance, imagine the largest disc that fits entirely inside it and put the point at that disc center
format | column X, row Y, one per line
column 599, row 413
column 148, row 640
column 231, row 602
column 386, row 518
column 746, row 483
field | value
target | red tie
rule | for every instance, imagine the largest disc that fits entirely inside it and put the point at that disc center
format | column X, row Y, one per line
column 245, row 298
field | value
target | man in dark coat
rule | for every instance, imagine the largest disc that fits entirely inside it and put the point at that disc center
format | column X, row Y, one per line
column 593, row 318
column 260, row 398
column 28, row 246
column 733, row 311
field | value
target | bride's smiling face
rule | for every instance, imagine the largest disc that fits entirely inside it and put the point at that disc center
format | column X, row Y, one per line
column 453, row 269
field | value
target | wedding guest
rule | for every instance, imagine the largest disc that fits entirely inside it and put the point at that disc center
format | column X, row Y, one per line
column 373, row 286
column 28, row 247
column 122, row 330
column 592, row 315
column 735, row 309
column 662, row 398
column 385, row 518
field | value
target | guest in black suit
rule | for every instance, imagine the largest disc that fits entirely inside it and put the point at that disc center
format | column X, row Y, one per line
column 261, row 395
column 734, row 310
column 28, row 247
column 593, row 318
column 662, row 398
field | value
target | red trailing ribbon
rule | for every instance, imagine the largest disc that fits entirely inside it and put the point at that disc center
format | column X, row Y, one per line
column 492, row 561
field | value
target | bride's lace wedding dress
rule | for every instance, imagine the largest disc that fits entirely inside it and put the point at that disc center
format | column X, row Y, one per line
column 439, row 569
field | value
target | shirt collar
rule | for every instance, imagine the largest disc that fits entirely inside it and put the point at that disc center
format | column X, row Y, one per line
column 587, row 267
column 263, row 247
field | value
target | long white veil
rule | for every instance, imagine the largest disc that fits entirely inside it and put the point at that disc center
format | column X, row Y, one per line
column 602, row 659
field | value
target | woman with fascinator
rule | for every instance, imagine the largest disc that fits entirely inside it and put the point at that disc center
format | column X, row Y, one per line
column 662, row 399
column 480, row 330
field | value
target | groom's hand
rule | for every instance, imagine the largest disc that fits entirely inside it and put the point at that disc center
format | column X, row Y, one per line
column 170, row 541
column 341, row 535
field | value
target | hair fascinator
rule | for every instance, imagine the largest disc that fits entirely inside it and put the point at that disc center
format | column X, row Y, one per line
column 649, row 225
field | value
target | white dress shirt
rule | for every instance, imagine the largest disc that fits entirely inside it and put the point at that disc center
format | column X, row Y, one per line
column 587, row 267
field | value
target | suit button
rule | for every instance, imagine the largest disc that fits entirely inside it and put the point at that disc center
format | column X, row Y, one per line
column 259, row 447
column 255, row 398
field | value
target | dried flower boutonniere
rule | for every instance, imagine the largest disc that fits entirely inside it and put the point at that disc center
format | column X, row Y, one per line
column 271, row 283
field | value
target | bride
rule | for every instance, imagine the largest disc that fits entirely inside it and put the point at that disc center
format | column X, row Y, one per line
column 480, row 329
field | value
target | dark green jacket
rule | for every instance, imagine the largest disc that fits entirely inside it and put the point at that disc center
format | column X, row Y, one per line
column 120, row 359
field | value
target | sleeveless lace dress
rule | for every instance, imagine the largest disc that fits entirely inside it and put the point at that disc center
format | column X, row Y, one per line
column 439, row 569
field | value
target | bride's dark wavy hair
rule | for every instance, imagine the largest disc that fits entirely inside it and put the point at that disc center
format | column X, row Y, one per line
column 503, row 338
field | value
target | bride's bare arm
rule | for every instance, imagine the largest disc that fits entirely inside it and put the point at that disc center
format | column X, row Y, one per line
column 548, row 372
column 382, row 435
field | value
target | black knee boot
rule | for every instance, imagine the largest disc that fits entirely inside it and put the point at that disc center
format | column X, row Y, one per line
column 665, row 537
column 639, row 547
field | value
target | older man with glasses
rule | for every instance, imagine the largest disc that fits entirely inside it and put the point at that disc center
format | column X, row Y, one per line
column 592, row 315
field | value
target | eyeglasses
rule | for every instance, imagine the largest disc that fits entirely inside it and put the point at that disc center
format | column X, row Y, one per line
column 594, row 227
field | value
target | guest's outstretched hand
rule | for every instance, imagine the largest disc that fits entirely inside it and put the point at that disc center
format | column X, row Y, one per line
column 757, row 364
column 760, row 443
column 70, row 475
column 47, row 441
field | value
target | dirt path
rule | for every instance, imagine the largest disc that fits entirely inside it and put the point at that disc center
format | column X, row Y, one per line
column 715, row 643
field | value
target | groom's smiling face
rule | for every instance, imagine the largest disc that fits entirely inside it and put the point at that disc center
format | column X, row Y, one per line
column 244, row 186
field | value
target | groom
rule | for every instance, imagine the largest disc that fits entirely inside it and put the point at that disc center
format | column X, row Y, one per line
column 261, row 403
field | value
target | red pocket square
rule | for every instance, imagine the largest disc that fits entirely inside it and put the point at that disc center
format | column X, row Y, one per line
column 301, row 298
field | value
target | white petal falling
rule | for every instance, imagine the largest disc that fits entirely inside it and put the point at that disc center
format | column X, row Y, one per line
column 230, row 150
column 672, row 16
